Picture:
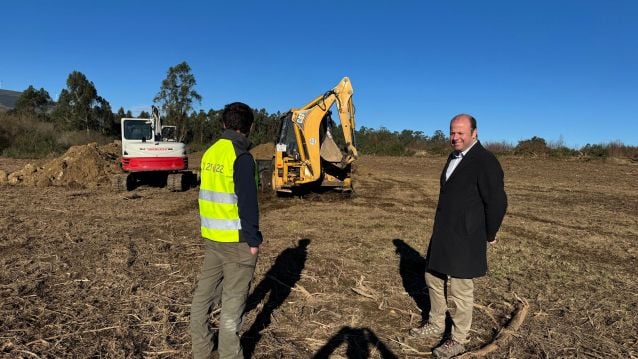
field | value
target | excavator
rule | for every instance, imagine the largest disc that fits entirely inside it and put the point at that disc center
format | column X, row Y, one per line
column 307, row 157
column 152, row 155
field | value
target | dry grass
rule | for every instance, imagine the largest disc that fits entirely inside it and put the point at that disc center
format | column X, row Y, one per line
column 97, row 274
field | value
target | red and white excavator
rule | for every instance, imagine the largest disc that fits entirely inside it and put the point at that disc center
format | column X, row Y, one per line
column 152, row 155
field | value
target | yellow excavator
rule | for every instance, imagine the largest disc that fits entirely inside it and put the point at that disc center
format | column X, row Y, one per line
column 307, row 157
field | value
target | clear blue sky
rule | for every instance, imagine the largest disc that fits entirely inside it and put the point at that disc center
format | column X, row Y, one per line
column 559, row 69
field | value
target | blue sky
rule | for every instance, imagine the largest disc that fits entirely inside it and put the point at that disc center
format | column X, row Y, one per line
column 559, row 69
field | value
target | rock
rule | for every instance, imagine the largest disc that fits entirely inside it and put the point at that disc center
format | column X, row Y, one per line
column 15, row 177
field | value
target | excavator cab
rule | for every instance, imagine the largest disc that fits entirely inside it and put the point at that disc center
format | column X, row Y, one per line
column 287, row 140
column 138, row 130
column 169, row 133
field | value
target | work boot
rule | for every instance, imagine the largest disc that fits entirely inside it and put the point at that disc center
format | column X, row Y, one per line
column 450, row 348
column 427, row 330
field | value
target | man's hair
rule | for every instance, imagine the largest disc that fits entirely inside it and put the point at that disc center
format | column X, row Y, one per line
column 470, row 117
column 238, row 116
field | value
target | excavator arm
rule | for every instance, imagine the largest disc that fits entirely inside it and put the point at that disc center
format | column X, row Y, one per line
column 306, row 152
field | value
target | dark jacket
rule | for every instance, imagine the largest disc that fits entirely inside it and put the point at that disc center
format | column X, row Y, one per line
column 245, row 189
column 472, row 204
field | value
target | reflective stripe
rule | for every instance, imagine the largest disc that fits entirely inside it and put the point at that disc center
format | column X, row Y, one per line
column 224, row 224
column 217, row 197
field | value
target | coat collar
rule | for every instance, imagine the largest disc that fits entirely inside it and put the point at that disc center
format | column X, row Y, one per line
column 464, row 162
column 241, row 141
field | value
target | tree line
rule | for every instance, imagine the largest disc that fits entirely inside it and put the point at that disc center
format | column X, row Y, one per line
column 39, row 126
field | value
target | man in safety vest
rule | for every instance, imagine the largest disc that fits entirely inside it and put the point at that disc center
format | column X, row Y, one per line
column 229, row 215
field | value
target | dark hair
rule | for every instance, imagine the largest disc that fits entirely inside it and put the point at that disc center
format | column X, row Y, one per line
column 470, row 117
column 238, row 116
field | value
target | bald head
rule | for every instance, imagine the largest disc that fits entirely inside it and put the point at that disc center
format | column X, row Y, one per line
column 463, row 132
column 465, row 117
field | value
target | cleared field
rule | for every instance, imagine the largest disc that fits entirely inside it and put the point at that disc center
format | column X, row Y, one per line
column 92, row 273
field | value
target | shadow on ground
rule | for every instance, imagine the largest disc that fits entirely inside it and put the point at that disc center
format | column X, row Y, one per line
column 412, row 271
column 277, row 284
column 359, row 341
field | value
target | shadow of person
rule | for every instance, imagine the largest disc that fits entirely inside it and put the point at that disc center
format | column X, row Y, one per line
column 412, row 271
column 278, row 281
column 358, row 340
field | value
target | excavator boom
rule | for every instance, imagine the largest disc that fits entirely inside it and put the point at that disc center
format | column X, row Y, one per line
column 307, row 154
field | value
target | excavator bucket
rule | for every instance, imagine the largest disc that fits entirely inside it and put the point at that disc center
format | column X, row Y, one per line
column 330, row 151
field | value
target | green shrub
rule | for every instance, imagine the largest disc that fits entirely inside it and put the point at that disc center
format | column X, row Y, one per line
column 26, row 137
column 499, row 148
column 535, row 146
column 618, row 149
column 562, row 152
column 595, row 151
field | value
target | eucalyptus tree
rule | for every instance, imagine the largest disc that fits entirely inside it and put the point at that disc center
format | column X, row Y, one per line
column 177, row 95
column 80, row 107
column 103, row 116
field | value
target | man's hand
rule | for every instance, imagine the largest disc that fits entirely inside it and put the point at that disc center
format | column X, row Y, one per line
column 254, row 250
column 492, row 240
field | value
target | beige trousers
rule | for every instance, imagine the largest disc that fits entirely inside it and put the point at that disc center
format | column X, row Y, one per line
column 461, row 294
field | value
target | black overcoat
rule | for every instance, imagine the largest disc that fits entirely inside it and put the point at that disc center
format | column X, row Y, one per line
column 471, row 207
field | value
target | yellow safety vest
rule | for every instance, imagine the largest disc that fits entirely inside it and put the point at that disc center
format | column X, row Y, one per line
column 218, row 209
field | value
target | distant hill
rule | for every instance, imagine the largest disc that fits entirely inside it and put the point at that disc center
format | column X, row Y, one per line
column 8, row 99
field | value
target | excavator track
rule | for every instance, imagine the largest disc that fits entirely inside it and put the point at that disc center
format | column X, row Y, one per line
column 175, row 182
column 123, row 182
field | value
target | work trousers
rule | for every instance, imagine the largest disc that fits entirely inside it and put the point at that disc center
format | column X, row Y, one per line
column 461, row 294
column 228, row 269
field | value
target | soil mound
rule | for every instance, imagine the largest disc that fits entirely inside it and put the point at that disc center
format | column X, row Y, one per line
column 265, row 151
column 85, row 166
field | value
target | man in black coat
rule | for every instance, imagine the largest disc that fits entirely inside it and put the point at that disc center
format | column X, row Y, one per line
column 472, row 204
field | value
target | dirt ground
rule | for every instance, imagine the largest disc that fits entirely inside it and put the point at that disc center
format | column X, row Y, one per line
column 88, row 272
